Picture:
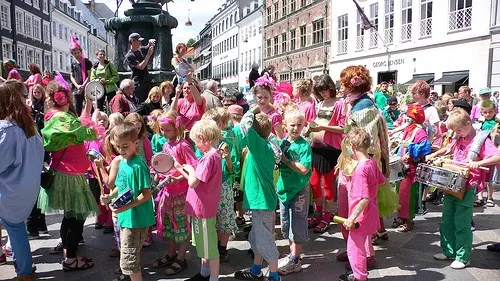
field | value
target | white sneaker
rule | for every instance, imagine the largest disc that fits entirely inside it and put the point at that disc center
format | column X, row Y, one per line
column 459, row 265
column 290, row 267
column 442, row 257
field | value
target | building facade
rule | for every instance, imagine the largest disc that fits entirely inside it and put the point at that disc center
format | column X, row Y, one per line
column 203, row 53
column 297, row 37
column 250, row 42
column 25, row 33
column 445, row 42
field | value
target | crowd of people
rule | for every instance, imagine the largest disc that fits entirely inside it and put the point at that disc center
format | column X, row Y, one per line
column 297, row 148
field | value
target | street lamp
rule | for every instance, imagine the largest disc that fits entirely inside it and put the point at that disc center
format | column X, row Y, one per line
column 189, row 23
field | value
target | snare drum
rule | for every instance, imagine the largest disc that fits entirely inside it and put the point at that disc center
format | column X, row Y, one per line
column 396, row 166
column 449, row 178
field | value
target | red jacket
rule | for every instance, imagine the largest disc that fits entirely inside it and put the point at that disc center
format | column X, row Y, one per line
column 119, row 103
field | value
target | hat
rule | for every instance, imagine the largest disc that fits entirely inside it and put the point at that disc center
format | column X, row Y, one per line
column 74, row 44
column 11, row 62
column 464, row 105
column 416, row 112
column 485, row 91
column 285, row 87
column 135, row 36
column 392, row 101
column 235, row 109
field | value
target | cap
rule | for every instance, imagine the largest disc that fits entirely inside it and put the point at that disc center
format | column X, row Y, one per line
column 135, row 36
column 392, row 101
column 485, row 91
column 235, row 109
column 464, row 105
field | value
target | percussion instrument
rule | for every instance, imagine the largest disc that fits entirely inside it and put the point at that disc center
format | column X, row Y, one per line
column 397, row 168
column 123, row 199
column 94, row 90
column 162, row 162
column 93, row 154
column 449, row 178
column 341, row 220
column 182, row 69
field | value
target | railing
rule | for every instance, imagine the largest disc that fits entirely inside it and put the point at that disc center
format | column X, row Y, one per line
column 342, row 47
column 389, row 36
column 360, row 42
column 406, row 32
column 460, row 19
column 425, row 27
column 373, row 39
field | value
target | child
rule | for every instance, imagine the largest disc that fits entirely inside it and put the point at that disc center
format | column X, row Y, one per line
column 203, row 197
column 263, row 94
column 158, row 140
column 302, row 90
column 293, row 189
column 172, row 222
column 259, row 193
column 415, row 146
column 456, row 233
column 229, row 100
column 442, row 108
column 363, row 205
column 135, row 218
column 236, row 113
column 476, row 113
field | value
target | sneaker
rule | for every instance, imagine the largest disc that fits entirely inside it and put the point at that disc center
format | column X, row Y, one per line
column 43, row 230
column 199, row 277
column 108, row 230
column 342, row 257
column 33, row 236
column 148, row 241
column 289, row 267
column 442, row 257
column 459, row 265
column 347, row 277
column 371, row 263
column 247, row 275
column 494, row 248
column 224, row 257
column 7, row 251
column 57, row 249
column 272, row 279
column 3, row 259
column 473, row 226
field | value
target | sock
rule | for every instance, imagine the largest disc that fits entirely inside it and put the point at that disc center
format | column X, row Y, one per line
column 318, row 209
column 294, row 259
column 214, row 278
column 205, row 270
column 256, row 269
column 274, row 275
column 222, row 249
column 327, row 216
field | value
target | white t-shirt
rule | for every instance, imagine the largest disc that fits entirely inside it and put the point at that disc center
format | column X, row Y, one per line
column 431, row 118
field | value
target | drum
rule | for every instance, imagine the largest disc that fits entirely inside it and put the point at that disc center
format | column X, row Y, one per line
column 162, row 162
column 449, row 178
column 396, row 166
column 94, row 90
column 93, row 154
column 123, row 199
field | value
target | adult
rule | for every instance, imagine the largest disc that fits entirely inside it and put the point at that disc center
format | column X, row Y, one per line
column 421, row 92
column 64, row 137
column 210, row 95
column 105, row 72
column 22, row 155
column 152, row 102
column 465, row 93
column 11, row 67
column 167, row 93
column 35, row 78
column 382, row 95
column 361, row 111
column 254, row 74
column 192, row 106
column 137, row 58
column 124, row 101
column 80, row 73
column 180, row 64
column 46, row 78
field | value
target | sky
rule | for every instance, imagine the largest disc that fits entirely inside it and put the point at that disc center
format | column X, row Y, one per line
column 201, row 12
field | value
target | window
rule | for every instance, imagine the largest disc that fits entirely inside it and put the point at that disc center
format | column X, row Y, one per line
column 460, row 16
column 360, row 34
column 20, row 21
column 28, row 2
column 30, row 57
column 342, row 34
column 47, row 61
column 6, row 49
column 260, row 50
column 425, row 18
column 21, row 58
column 254, row 28
column 389, row 21
column 38, row 57
column 303, row 36
column 293, row 35
column 268, row 48
column 406, row 20
column 302, row 3
column 37, row 29
column 45, row 5
column 54, row 29
column 284, row 8
column 318, row 31
column 298, row 75
column 66, row 37
column 293, row 5
column 5, row 16
column 276, row 11
column 60, row 31
column 283, row 43
column 36, row 4
column 28, row 24
column 276, row 46
column 269, row 13
column 46, row 32
column 259, row 26
column 374, row 21
column 241, row 56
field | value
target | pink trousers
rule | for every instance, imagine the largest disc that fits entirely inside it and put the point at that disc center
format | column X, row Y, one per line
column 359, row 246
column 343, row 201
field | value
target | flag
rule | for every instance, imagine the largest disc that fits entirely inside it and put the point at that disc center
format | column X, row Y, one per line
column 366, row 24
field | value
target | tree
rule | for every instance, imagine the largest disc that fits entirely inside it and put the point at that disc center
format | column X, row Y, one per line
column 190, row 42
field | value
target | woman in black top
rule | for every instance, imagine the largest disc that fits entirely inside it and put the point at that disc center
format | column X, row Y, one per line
column 153, row 102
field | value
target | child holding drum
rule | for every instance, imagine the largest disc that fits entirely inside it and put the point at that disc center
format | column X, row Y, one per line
column 474, row 152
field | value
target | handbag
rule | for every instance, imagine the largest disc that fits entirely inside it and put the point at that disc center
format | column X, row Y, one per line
column 47, row 176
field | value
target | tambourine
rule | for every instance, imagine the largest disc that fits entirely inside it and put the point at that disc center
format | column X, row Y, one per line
column 93, row 154
column 182, row 69
column 94, row 90
column 162, row 162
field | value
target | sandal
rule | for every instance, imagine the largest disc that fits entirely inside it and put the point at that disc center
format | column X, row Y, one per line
column 240, row 221
column 384, row 235
column 397, row 222
column 167, row 260
column 322, row 227
column 176, row 267
column 122, row 278
column 490, row 202
column 479, row 203
column 313, row 221
column 67, row 267
column 405, row 227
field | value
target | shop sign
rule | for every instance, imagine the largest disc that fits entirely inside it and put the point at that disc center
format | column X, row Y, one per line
column 378, row 64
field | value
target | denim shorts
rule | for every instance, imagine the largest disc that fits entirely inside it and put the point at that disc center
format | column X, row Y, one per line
column 294, row 217
column 261, row 236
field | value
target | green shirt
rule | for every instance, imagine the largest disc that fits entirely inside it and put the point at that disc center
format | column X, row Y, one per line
column 488, row 124
column 134, row 174
column 157, row 142
column 380, row 100
column 290, row 182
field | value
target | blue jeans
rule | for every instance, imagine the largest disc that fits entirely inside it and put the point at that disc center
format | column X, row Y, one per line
column 20, row 246
column 293, row 216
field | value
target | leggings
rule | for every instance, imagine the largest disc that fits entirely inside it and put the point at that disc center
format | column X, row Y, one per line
column 71, row 233
column 101, row 101
column 328, row 184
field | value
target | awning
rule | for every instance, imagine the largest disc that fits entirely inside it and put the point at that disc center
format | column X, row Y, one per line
column 206, row 52
column 427, row 77
column 451, row 78
column 204, row 66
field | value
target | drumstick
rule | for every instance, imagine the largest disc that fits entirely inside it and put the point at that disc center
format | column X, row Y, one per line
column 98, row 175
column 465, row 164
column 341, row 220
